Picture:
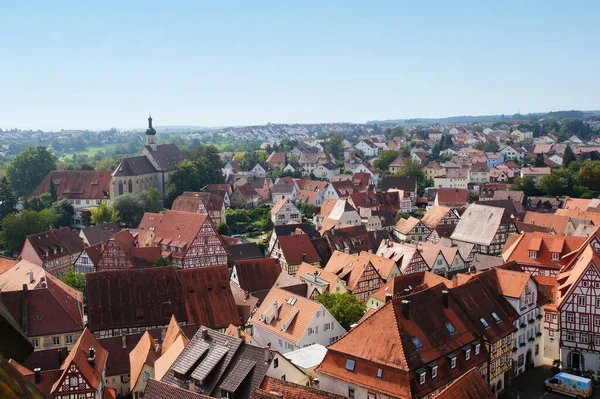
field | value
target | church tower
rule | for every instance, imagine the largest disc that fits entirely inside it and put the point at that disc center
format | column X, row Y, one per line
column 151, row 134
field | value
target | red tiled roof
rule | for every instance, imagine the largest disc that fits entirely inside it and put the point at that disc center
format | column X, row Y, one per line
column 77, row 184
column 545, row 245
column 452, row 197
column 435, row 215
column 295, row 247
column 189, row 201
column 257, row 274
column 353, row 239
column 389, row 201
column 470, row 385
column 161, row 390
column 64, row 241
column 273, row 388
column 276, row 157
column 557, row 222
column 6, row 263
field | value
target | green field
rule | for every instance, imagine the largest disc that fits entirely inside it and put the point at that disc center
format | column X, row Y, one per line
column 91, row 151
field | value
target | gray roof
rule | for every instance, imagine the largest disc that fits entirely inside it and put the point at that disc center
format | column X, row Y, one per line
column 484, row 262
column 100, row 233
column 479, row 224
column 166, row 156
column 134, row 166
column 283, row 188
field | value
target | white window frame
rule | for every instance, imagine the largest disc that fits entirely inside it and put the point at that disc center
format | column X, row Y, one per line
column 581, row 298
column 56, row 341
column 477, row 349
column 582, row 336
column 434, row 372
column 453, row 363
column 468, row 354
column 422, row 378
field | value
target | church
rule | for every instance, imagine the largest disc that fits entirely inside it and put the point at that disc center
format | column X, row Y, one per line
column 150, row 169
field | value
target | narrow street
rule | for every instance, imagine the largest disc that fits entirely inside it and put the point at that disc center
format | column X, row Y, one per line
column 530, row 385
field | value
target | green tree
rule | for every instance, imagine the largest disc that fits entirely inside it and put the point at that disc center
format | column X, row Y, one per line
column 40, row 203
column 8, row 201
column 307, row 210
column 223, row 229
column 334, row 145
column 525, row 184
column 539, row 161
column 130, row 208
column 568, row 156
column 104, row 213
column 410, row 168
column 554, row 184
column 266, row 224
column 161, row 261
column 345, row 308
column 491, row 146
column 151, row 200
column 53, row 190
column 16, row 227
column 29, row 168
column 64, row 212
column 185, row 177
column 385, row 159
column 77, row 281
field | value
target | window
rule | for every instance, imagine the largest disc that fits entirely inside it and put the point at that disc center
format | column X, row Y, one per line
column 477, row 349
column 581, row 300
column 548, row 317
column 493, row 367
column 597, row 340
column 570, row 336
column 597, row 320
column 434, row 371
column 467, row 354
column 537, row 349
column 570, row 318
column 81, row 396
column 417, row 343
column 598, row 302
column 55, row 341
column 311, row 331
column 350, row 393
column 453, row 363
column 585, row 283
column 584, row 338
column 35, row 342
column 450, row 327
column 507, row 358
column 275, row 363
column 69, row 339
column 583, row 319
column 379, row 372
column 532, row 254
column 484, row 322
column 73, row 381
column 422, row 378
column 328, row 326
column 350, row 363
column 494, row 347
column 495, row 316
column 146, row 376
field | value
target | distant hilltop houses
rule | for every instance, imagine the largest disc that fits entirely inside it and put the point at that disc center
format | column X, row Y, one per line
column 389, row 261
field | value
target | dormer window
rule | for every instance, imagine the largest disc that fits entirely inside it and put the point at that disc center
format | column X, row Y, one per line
column 350, row 363
column 450, row 327
column 422, row 376
column 533, row 254
column 484, row 322
column 417, row 343
column 452, row 360
column 555, row 256
column 496, row 318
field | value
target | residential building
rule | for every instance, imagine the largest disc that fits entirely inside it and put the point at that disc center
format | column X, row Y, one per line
column 541, row 254
column 202, row 203
column 389, row 202
column 261, row 170
column 98, row 234
column 437, row 216
column 256, row 276
column 244, row 196
column 150, row 169
column 326, row 171
column 396, row 165
column 411, row 229
column 433, row 170
column 479, row 173
column 224, row 190
column 336, row 213
column 428, row 342
column 486, row 191
column 311, row 191
column 284, row 212
column 562, row 225
column 361, row 278
column 468, row 386
column 445, row 261
column 452, row 197
column 535, row 173
column 489, row 237
column 48, row 311
column 54, row 250
column 406, row 184
column 321, row 280
column 277, row 160
column 191, row 240
column 309, row 161
column 367, row 147
column 404, row 284
column 291, row 229
column 406, row 256
column 494, row 158
column 122, row 252
column 287, row 322
column 88, row 259
column 83, row 188
column 292, row 250
column 350, row 240
column 454, row 178
column 288, row 190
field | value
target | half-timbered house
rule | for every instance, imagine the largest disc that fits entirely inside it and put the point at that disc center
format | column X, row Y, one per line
column 440, row 215
column 122, row 252
column 293, row 250
column 411, row 229
column 88, row 259
column 407, row 256
column 358, row 273
column 203, row 203
column 191, row 240
column 54, row 250
column 284, row 212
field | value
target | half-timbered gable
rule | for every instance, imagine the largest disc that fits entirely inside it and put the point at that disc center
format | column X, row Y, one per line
column 406, row 256
column 411, row 229
column 54, row 250
column 88, row 259
column 439, row 215
column 551, row 326
column 579, row 308
column 123, row 252
column 191, row 240
column 441, row 234
column 359, row 274
column 293, row 250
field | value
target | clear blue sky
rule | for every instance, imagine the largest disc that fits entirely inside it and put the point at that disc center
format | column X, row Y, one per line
column 82, row 64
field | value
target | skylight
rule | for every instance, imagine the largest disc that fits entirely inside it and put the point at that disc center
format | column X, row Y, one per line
column 379, row 372
column 350, row 363
column 292, row 301
column 450, row 327
column 495, row 316
column 417, row 342
column 484, row 322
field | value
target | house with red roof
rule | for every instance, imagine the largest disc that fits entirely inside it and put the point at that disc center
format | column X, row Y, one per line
column 190, row 240
column 122, row 252
column 203, row 203
column 244, row 196
column 83, row 188
column 284, row 211
column 54, row 250
column 452, row 197
column 277, row 160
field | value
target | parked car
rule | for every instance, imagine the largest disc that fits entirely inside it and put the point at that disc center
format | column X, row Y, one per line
column 570, row 385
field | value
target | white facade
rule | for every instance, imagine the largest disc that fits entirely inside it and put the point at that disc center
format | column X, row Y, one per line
column 287, row 213
column 321, row 172
column 367, row 149
column 450, row 182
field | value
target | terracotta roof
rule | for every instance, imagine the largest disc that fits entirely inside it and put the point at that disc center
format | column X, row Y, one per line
column 168, row 357
column 349, row 268
column 91, row 371
column 411, row 281
column 353, row 239
column 577, row 203
column 400, row 253
column 435, row 215
column 479, row 224
column 220, row 187
column 518, row 196
column 76, row 184
column 257, row 274
column 508, row 282
column 138, row 256
column 430, row 252
column 189, row 201
column 480, row 167
column 579, row 214
column 276, row 157
column 531, row 171
column 532, row 228
column 237, row 332
column 311, row 185
column 326, row 208
column 6, row 263
column 101, row 233
column 143, row 353
column 545, row 245
column 64, row 241
column 549, row 287
column 52, row 306
column 296, row 317
column 404, row 226
column 308, row 271
column 245, row 302
column 297, row 249
column 172, row 333
column 246, row 191
column 452, row 197
column 46, row 359
column 344, row 188
column 273, row 388
column 161, row 390
column 556, row 222
column 279, row 204
column 468, row 386
column 383, row 265
column 389, row 201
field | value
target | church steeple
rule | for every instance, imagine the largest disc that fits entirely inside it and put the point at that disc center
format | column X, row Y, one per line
column 150, row 132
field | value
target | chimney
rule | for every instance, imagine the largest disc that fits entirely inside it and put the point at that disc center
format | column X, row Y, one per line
column 405, row 308
column 445, row 298
column 124, row 341
column 24, row 309
column 246, row 295
column 30, row 276
column 38, row 375
column 303, row 257
column 316, row 274
column 239, row 332
column 388, row 297
column 275, row 310
column 387, row 242
column 204, row 332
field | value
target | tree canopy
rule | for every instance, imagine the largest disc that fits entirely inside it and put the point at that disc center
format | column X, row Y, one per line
column 8, row 201
column 130, row 209
column 29, row 168
column 345, row 308
column 410, row 167
column 76, row 280
column 385, row 159
column 16, row 227
column 104, row 213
